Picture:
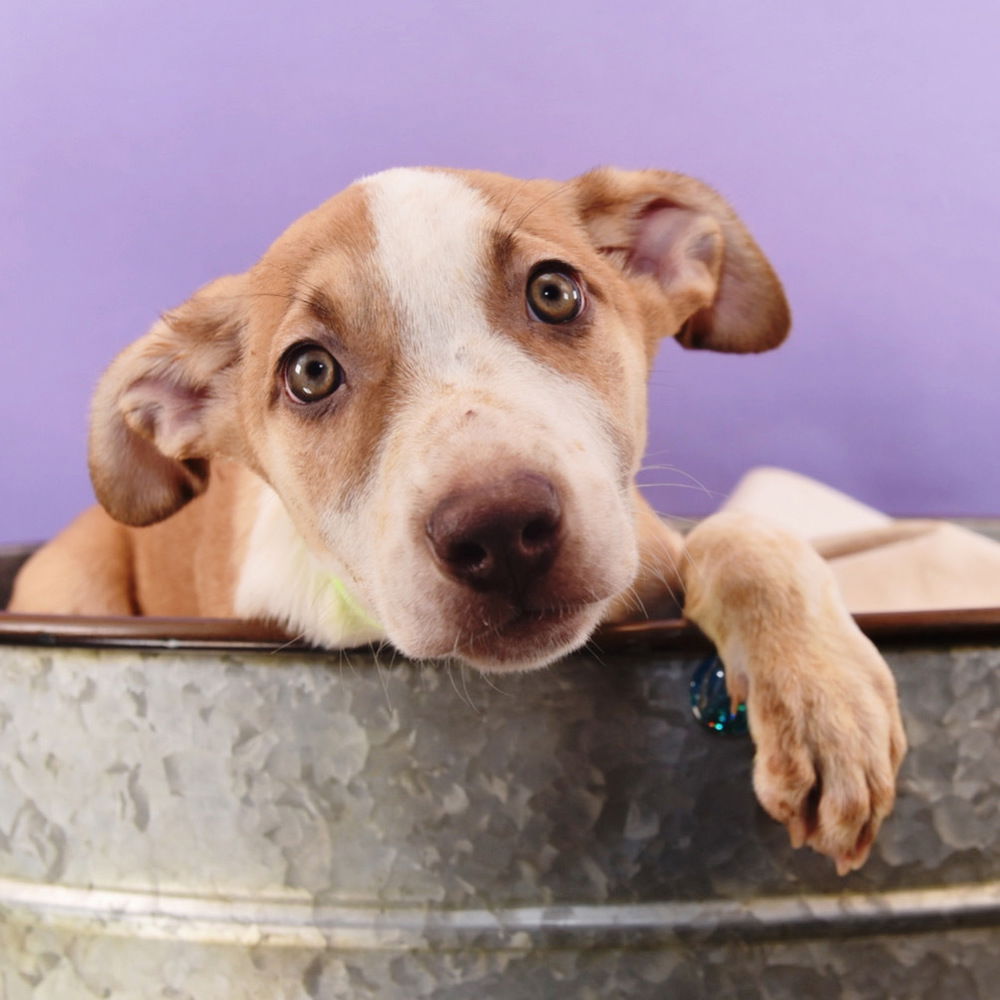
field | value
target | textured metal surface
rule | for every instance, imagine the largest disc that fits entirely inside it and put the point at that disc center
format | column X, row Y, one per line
column 177, row 825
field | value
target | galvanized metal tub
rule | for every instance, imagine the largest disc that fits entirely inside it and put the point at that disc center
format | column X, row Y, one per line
column 187, row 810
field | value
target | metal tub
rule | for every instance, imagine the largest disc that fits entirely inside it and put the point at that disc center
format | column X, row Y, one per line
column 187, row 809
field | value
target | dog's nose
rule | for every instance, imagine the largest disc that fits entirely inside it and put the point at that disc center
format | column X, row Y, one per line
column 498, row 536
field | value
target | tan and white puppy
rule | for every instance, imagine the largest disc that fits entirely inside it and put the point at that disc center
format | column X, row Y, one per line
column 423, row 411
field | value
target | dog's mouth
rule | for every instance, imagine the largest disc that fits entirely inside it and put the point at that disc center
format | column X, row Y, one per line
column 528, row 619
column 529, row 637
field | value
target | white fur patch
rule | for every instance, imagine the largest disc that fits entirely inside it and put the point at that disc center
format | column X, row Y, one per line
column 281, row 580
column 430, row 230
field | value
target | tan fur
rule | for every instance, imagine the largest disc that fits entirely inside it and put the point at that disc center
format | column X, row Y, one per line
column 214, row 527
column 182, row 566
column 821, row 701
column 443, row 400
column 87, row 569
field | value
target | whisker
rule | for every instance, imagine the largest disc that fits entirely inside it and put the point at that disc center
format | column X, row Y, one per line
column 711, row 494
column 595, row 651
column 465, row 687
column 383, row 682
column 544, row 199
column 301, row 637
column 500, row 228
column 486, row 678
column 451, row 677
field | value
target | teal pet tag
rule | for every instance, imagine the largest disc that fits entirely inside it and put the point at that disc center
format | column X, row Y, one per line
column 710, row 700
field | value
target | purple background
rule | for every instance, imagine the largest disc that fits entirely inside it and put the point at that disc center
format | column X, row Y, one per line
column 147, row 148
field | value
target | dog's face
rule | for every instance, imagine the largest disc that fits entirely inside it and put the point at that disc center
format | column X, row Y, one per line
column 442, row 375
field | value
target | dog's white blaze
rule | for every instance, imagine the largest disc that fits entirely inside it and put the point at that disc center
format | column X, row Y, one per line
column 430, row 230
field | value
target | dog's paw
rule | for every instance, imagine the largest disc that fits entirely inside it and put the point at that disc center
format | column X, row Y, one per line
column 829, row 742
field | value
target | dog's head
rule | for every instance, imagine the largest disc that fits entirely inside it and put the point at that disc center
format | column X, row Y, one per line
column 442, row 376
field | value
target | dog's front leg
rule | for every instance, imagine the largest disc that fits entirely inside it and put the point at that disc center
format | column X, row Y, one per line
column 820, row 699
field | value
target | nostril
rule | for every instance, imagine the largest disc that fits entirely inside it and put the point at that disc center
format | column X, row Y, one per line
column 538, row 532
column 467, row 555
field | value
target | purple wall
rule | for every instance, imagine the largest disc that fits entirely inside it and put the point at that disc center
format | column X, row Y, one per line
column 148, row 147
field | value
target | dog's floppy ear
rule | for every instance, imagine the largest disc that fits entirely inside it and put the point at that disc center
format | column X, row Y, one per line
column 159, row 408
column 713, row 287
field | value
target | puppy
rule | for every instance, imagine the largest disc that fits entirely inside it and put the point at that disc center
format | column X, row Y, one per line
column 419, row 418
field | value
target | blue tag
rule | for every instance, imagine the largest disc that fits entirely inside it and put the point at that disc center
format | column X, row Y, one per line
column 710, row 700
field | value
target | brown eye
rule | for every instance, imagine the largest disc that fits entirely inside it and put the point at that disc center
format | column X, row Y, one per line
column 554, row 295
column 311, row 373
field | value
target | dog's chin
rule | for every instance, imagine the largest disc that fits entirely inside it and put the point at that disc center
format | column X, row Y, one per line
column 525, row 641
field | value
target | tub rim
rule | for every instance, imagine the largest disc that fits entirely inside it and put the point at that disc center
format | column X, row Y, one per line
column 673, row 635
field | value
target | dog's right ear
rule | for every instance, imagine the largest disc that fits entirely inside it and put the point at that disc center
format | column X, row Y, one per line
column 161, row 407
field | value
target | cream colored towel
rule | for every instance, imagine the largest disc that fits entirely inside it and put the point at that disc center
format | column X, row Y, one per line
column 880, row 564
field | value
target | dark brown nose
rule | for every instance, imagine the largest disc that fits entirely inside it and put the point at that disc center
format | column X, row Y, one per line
column 498, row 536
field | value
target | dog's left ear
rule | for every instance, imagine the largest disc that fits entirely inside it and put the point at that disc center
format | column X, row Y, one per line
column 711, row 286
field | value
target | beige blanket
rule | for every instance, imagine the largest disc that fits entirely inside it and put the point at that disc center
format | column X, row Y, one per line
column 881, row 564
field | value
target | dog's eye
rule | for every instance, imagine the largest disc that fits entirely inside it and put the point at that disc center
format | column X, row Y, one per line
column 554, row 295
column 311, row 373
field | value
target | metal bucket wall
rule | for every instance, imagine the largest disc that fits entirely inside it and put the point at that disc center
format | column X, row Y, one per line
column 248, row 825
